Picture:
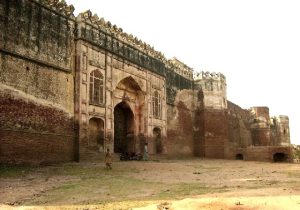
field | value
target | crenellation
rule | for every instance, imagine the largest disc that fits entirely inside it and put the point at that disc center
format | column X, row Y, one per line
column 59, row 6
column 180, row 68
column 209, row 75
column 214, row 89
column 116, row 32
column 82, row 85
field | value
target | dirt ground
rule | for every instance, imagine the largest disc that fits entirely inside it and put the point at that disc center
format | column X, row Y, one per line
column 153, row 185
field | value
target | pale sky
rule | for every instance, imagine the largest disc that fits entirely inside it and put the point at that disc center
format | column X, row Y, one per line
column 254, row 43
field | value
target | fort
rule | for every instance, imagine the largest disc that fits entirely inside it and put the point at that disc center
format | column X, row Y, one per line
column 71, row 87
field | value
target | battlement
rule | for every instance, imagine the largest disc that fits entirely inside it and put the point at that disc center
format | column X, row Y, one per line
column 180, row 68
column 213, row 86
column 260, row 114
column 115, row 31
column 59, row 6
column 281, row 118
column 208, row 76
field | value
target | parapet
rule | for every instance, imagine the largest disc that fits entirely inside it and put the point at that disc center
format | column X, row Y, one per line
column 209, row 76
column 180, row 68
column 115, row 31
column 260, row 112
column 59, row 6
column 282, row 118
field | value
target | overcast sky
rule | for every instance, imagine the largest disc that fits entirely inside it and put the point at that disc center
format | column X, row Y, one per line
column 254, row 43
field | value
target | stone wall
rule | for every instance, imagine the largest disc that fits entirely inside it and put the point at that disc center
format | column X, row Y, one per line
column 261, row 153
column 36, row 31
column 280, row 131
column 46, row 115
column 239, row 125
column 267, row 153
column 36, row 83
column 214, row 89
column 180, row 125
column 124, row 83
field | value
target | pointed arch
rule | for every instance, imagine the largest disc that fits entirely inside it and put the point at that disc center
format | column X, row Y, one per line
column 129, row 82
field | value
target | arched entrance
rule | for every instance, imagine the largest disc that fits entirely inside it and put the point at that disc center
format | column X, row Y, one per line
column 158, row 146
column 96, row 134
column 280, row 157
column 239, row 157
column 123, row 129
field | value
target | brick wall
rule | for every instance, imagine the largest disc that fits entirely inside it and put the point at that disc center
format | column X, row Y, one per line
column 216, row 133
column 180, row 136
column 266, row 153
column 238, row 125
column 261, row 136
column 32, row 133
column 199, row 133
column 36, row 83
column 25, row 147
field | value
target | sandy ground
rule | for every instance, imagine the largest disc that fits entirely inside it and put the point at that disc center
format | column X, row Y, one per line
column 247, row 185
column 218, row 202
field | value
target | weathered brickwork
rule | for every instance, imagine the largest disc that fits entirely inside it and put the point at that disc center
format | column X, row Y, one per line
column 36, row 83
column 34, row 31
column 256, row 136
column 215, row 133
column 180, row 129
column 70, row 88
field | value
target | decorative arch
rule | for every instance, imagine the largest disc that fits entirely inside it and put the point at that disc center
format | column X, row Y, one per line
column 129, row 83
column 96, row 134
column 129, row 110
column 96, row 88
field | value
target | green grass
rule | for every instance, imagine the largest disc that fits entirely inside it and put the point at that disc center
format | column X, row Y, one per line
column 126, row 184
column 14, row 171
column 100, row 185
column 187, row 189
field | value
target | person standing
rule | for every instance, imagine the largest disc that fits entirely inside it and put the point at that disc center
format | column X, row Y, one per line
column 146, row 156
column 108, row 159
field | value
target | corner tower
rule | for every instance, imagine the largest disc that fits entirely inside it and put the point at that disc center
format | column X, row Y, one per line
column 281, row 130
column 213, row 86
column 211, row 132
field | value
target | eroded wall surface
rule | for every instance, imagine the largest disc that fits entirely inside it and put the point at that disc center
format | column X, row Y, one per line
column 131, row 78
column 180, row 130
column 48, row 111
column 36, row 83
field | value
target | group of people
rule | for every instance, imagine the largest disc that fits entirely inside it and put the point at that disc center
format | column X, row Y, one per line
column 108, row 157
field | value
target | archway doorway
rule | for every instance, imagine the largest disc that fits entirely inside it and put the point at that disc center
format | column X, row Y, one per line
column 158, row 146
column 280, row 157
column 96, row 134
column 239, row 157
column 123, row 129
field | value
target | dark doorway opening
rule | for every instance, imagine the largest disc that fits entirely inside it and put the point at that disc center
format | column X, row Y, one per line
column 280, row 157
column 239, row 157
column 158, row 146
column 123, row 129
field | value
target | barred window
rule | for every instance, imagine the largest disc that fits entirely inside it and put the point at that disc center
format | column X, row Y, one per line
column 156, row 105
column 96, row 88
